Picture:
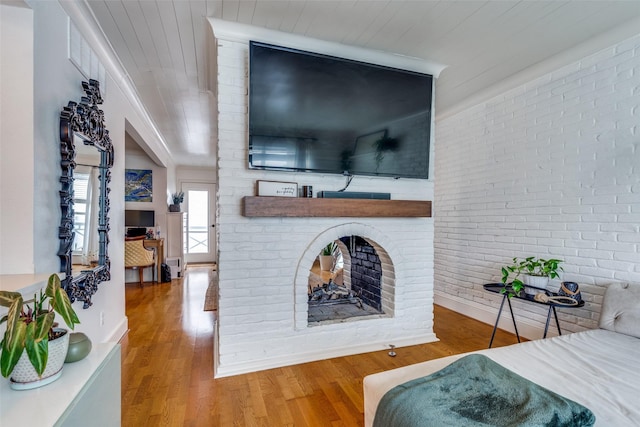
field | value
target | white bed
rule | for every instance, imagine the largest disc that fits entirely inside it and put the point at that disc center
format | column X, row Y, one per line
column 599, row 369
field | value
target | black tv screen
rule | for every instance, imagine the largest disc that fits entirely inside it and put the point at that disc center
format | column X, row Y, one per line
column 318, row 113
column 139, row 218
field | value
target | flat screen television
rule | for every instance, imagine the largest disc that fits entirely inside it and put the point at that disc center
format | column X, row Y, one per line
column 139, row 218
column 318, row 113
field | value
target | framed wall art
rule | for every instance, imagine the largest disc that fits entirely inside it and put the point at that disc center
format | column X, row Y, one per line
column 138, row 185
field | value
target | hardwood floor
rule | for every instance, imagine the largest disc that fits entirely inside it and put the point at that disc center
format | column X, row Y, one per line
column 167, row 374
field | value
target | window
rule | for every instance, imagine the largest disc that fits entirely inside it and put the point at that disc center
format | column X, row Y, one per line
column 198, row 219
column 80, row 189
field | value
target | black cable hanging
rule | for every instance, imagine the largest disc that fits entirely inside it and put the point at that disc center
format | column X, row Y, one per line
column 349, row 179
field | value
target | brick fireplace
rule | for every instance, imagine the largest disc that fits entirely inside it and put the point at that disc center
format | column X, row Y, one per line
column 362, row 276
column 264, row 263
column 366, row 271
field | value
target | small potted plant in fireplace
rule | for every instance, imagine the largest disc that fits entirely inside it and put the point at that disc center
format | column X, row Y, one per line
column 328, row 256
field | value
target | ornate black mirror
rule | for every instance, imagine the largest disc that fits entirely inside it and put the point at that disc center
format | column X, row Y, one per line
column 85, row 146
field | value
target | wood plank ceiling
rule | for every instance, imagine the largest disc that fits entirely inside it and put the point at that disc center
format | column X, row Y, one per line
column 164, row 45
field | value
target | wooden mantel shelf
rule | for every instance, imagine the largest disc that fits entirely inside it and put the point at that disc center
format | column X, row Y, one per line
column 323, row 207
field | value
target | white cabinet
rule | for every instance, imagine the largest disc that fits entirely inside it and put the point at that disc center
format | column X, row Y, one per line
column 175, row 248
column 87, row 394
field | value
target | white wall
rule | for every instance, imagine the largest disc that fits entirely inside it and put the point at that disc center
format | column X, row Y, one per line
column 16, row 136
column 263, row 261
column 56, row 81
column 195, row 174
column 159, row 201
column 551, row 169
column 139, row 160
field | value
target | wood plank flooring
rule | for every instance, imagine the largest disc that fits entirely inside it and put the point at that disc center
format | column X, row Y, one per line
column 167, row 374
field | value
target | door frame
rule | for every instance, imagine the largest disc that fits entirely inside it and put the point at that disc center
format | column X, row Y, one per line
column 212, row 255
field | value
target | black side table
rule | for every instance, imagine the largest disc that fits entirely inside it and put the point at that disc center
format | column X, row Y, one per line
column 496, row 288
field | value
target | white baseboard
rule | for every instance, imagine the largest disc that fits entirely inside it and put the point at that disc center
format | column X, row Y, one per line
column 216, row 354
column 485, row 314
column 260, row 365
column 119, row 330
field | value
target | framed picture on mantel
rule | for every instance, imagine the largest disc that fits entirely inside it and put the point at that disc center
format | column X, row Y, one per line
column 277, row 188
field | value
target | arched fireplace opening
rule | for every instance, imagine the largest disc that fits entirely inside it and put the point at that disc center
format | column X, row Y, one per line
column 357, row 285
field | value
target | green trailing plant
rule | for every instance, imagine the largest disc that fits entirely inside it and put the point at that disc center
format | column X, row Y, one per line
column 30, row 325
column 178, row 197
column 543, row 267
column 330, row 249
column 346, row 158
column 532, row 266
column 511, row 278
column 383, row 145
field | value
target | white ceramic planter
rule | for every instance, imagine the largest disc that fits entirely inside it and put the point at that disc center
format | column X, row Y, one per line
column 24, row 375
column 326, row 262
column 535, row 284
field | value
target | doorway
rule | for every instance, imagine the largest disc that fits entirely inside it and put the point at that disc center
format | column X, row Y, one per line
column 200, row 237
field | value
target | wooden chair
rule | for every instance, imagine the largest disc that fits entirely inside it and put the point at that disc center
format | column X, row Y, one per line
column 136, row 256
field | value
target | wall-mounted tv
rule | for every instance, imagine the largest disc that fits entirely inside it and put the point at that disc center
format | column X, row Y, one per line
column 318, row 113
column 139, row 218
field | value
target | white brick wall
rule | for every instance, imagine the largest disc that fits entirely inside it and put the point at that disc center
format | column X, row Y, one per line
column 552, row 169
column 264, row 262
